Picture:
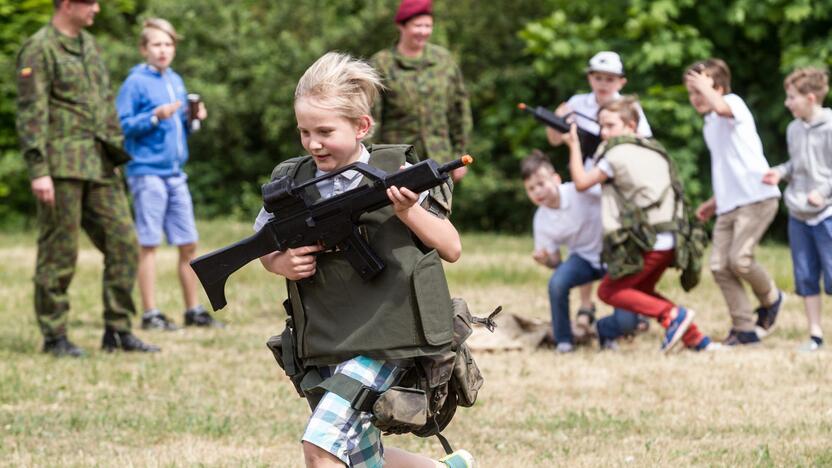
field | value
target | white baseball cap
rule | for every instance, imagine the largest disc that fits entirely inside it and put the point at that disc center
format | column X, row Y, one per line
column 606, row 62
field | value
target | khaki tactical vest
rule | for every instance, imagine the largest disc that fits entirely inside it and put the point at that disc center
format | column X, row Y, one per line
column 647, row 198
column 403, row 312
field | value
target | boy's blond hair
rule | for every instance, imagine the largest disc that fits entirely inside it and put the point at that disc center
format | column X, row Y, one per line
column 809, row 80
column 158, row 24
column 625, row 106
column 342, row 83
column 717, row 69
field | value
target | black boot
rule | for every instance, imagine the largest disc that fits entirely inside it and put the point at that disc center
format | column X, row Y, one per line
column 200, row 317
column 61, row 346
column 126, row 341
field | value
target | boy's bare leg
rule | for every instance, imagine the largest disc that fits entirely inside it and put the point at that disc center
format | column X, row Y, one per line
column 812, row 306
column 585, row 291
column 398, row 458
column 316, row 457
column 582, row 331
column 187, row 277
column 147, row 277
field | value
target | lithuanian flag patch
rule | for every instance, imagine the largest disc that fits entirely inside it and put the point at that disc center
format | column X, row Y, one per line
column 26, row 72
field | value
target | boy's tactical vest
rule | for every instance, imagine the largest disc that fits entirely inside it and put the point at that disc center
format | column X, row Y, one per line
column 403, row 312
column 623, row 248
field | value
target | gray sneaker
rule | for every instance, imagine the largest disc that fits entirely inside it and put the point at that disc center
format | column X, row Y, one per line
column 564, row 348
column 155, row 320
column 610, row 345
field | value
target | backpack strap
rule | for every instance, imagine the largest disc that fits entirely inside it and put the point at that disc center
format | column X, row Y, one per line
column 360, row 396
column 291, row 167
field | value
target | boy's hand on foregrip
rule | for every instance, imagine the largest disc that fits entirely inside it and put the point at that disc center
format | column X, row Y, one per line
column 294, row 264
column 402, row 198
column 562, row 109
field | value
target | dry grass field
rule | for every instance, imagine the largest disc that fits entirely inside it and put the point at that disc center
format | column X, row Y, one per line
column 216, row 397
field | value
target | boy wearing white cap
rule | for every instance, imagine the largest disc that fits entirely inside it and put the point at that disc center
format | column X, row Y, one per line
column 605, row 74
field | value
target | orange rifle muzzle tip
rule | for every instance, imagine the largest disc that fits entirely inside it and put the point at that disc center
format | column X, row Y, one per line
column 521, row 106
column 467, row 159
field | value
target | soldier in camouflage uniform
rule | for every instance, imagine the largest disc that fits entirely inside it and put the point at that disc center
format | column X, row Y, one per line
column 425, row 103
column 72, row 143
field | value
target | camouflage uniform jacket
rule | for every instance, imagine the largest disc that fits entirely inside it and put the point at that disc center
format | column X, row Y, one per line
column 66, row 117
column 424, row 104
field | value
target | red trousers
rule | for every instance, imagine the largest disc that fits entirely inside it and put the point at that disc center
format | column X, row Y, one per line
column 637, row 293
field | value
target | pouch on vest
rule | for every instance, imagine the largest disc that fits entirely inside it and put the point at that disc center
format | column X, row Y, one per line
column 691, row 241
column 284, row 350
column 623, row 248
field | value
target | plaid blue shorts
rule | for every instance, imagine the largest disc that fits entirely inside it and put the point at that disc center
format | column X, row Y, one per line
column 342, row 431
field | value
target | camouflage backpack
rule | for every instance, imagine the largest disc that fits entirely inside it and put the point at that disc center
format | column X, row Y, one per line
column 623, row 248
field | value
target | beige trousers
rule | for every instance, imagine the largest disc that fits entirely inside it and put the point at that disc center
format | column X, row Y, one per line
column 736, row 234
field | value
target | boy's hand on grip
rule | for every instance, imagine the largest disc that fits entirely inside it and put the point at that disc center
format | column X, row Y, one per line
column 294, row 264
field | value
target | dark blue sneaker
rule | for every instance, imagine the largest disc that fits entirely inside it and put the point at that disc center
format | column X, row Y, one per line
column 678, row 326
column 738, row 338
column 706, row 344
column 766, row 316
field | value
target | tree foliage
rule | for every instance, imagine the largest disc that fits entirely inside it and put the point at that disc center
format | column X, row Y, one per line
column 245, row 57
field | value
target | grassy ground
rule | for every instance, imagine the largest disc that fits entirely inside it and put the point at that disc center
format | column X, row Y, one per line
column 216, row 397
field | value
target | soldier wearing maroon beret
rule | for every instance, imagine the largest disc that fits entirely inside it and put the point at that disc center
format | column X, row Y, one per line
column 425, row 103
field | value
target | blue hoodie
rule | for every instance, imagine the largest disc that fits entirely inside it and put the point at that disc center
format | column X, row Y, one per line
column 157, row 148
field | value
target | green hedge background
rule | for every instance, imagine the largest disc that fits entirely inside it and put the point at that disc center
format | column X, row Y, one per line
column 245, row 57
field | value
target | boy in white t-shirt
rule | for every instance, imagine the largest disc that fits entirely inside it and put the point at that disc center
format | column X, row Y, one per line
column 605, row 74
column 743, row 204
column 567, row 217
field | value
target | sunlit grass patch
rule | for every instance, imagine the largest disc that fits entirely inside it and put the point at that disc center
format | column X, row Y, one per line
column 217, row 398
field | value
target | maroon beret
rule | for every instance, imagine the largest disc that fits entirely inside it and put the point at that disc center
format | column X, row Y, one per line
column 410, row 8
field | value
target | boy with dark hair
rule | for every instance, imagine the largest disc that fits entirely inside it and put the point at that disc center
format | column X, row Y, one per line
column 568, row 217
column 744, row 206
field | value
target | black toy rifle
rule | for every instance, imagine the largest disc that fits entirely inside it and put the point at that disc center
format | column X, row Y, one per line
column 330, row 223
column 589, row 141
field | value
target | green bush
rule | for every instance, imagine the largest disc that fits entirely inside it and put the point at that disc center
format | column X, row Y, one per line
column 245, row 57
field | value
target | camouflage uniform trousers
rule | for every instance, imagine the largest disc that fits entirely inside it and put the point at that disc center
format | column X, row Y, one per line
column 101, row 209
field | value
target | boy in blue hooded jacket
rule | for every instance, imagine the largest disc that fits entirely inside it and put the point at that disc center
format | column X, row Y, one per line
column 156, row 127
